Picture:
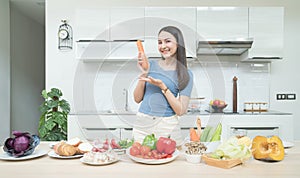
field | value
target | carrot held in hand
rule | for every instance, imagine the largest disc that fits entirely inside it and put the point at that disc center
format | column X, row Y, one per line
column 140, row 46
column 144, row 62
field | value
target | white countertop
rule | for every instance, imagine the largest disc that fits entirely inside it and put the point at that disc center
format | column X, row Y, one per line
column 47, row 167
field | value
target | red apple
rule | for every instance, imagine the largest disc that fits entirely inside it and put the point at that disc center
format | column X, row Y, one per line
column 222, row 103
column 216, row 102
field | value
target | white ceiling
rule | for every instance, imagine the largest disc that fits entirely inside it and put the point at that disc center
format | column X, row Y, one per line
column 34, row 9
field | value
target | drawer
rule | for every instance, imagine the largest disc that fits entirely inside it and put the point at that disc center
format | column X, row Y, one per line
column 101, row 133
column 255, row 131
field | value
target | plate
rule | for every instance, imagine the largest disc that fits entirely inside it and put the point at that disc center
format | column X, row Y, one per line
column 35, row 154
column 51, row 145
column 54, row 155
column 98, row 164
column 287, row 144
column 153, row 161
column 120, row 151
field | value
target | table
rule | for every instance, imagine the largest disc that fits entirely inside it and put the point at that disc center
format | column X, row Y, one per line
column 47, row 167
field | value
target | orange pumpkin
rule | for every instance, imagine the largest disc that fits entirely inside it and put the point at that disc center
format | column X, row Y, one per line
column 270, row 149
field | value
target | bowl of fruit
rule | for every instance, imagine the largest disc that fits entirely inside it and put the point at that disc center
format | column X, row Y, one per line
column 217, row 105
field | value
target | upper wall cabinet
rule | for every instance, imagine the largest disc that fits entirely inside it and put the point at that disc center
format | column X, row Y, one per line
column 266, row 28
column 110, row 24
column 92, row 24
column 223, row 23
column 182, row 17
column 127, row 23
column 108, row 33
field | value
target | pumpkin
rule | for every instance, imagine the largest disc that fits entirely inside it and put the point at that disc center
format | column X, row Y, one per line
column 269, row 149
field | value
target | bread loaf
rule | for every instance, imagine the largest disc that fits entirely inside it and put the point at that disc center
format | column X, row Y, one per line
column 84, row 148
column 66, row 150
column 74, row 141
column 55, row 147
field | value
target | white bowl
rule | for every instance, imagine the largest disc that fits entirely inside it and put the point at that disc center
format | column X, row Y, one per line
column 193, row 158
column 211, row 146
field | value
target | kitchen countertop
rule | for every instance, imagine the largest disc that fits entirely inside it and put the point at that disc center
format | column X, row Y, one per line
column 47, row 167
column 120, row 112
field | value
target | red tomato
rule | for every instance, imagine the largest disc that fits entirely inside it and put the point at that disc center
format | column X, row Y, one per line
column 136, row 144
column 134, row 151
column 145, row 150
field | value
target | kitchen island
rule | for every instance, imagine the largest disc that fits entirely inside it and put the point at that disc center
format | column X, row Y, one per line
column 47, row 167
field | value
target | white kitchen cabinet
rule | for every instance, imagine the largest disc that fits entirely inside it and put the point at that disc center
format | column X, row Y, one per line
column 109, row 24
column 254, row 124
column 222, row 22
column 93, row 126
column 109, row 34
column 92, row 24
column 127, row 23
column 266, row 28
column 182, row 17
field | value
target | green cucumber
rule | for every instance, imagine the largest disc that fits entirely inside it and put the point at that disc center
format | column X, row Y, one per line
column 205, row 133
column 217, row 135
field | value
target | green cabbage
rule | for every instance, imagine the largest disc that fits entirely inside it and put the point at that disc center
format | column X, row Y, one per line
column 232, row 150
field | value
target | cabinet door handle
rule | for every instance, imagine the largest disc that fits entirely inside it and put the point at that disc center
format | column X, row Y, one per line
column 100, row 128
column 188, row 128
column 128, row 129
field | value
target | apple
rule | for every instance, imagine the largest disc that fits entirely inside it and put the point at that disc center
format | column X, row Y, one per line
column 216, row 102
column 222, row 103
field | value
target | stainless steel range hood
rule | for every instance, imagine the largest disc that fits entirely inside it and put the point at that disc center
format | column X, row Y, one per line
column 224, row 47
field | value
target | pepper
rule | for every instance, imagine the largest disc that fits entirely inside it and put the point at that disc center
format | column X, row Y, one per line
column 150, row 141
column 166, row 145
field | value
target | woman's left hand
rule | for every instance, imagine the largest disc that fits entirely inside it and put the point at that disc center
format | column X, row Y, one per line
column 153, row 81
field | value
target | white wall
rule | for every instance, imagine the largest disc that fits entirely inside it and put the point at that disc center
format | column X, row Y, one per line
column 281, row 72
column 27, row 71
column 4, row 70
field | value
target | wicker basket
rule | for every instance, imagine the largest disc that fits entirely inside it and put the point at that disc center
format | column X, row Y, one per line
column 226, row 164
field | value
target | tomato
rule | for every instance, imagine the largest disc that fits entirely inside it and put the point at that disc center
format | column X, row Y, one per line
column 154, row 154
column 134, row 151
column 136, row 144
column 145, row 150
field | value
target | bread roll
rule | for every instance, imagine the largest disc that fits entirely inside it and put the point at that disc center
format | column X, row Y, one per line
column 74, row 141
column 66, row 150
column 55, row 147
column 84, row 148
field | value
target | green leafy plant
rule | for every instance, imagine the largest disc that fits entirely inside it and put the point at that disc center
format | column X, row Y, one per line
column 53, row 121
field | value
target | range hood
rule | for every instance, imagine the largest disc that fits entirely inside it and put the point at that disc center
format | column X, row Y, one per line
column 224, row 47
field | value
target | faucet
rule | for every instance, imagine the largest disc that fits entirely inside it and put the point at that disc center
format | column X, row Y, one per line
column 125, row 91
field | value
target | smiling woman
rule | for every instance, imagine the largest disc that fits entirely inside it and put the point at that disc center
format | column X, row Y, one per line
column 164, row 88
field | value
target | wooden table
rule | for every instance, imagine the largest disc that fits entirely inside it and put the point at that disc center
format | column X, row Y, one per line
column 46, row 167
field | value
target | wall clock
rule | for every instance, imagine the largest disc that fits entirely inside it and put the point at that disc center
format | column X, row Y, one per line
column 65, row 36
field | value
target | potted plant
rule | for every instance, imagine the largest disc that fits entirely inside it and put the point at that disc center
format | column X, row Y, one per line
column 53, row 121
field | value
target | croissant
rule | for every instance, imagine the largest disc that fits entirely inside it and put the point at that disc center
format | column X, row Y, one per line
column 66, row 150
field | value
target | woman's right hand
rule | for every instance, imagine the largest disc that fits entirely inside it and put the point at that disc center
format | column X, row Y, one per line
column 143, row 63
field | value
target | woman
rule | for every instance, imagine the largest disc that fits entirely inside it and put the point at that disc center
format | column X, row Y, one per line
column 163, row 89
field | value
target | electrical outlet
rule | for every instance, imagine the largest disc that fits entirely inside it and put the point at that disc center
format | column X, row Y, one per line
column 291, row 96
column 281, row 96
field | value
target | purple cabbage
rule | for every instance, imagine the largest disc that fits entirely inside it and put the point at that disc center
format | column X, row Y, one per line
column 22, row 145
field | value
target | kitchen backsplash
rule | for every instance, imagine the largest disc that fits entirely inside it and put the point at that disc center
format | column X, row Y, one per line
column 113, row 81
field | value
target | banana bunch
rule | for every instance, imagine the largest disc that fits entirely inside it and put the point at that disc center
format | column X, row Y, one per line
column 211, row 134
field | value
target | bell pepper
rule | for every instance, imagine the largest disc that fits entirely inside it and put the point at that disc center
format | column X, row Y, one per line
column 150, row 141
column 166, row 145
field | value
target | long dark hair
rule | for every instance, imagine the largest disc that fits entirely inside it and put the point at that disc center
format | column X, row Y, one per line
column 181, row 66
